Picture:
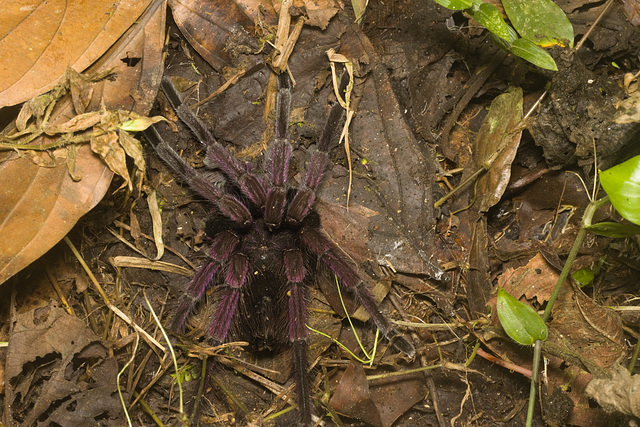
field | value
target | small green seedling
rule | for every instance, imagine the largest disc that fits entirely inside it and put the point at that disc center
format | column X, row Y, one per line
column 540, row 23
column 186, row 373
column 583, row 277
column 519, row 320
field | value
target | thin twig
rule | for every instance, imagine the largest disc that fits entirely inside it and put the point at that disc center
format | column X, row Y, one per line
column 56, row 286
column 173, row 354
column 131, row 359
column 590, row 30
column 84, row 265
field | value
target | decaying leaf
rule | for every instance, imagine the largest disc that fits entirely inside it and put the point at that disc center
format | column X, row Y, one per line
column 352, row 396
column 111, row 152
column 536, row 280
column 583, row 328
column 496, row 146
column 619, row 391
column 217, row 29
column 629, row 109
column 379, row 402
column 48, row 381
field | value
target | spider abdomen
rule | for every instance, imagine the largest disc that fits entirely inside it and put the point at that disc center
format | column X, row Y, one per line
column 262, row 317
column 262, row 268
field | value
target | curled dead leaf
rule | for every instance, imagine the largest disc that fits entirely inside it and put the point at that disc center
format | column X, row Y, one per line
column 133, row 148
column 108, row 148
column 78, row 123
column 618, row 392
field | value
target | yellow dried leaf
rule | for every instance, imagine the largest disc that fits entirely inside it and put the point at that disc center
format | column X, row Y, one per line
column 133, row 148
column 78, row 123
column 140, row 123
column 108, row 148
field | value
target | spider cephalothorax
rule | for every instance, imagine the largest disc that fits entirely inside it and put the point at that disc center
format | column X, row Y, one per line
column 267, row 243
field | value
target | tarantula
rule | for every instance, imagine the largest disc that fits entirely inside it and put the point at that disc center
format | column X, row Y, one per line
column 267, row 242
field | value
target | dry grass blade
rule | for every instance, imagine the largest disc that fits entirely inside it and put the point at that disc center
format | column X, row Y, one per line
column 135, row 262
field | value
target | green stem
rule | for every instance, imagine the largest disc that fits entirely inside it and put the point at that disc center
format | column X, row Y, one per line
column 537, row 351
column 577, row 244
column 587, row 217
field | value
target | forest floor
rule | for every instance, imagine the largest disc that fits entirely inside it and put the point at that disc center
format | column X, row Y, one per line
column 425, row 80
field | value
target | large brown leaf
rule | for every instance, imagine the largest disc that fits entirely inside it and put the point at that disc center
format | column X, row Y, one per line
column 209, row 25
column 38, row 205
column 216, row 29
column 496, row 146
column 40, row 39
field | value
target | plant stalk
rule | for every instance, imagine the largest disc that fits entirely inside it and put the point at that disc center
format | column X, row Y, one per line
column 587, row 217
column 537, row 352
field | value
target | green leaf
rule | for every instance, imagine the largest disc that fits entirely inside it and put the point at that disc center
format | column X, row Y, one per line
column 455, row 4
column 489, row 17
column 541, row 21
column 526, row 49
column 614, row 229
column 583, row 277
column 519, row 320
column 622, row 184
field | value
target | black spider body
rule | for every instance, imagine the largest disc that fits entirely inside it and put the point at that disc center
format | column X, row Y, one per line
column 263, row 310
column 267, row 243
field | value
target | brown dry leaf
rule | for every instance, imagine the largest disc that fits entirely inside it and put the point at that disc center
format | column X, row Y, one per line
column 108, row 148
column 40, row 39
column 402, row 232
column 319, row 12
column 632, row 10
column 352, row 396
column 496, row 146
column 76, row 124
column 41, row 376
column 629, row 109
column 588, row 330
column 534, row 280
column 378, row 403
column 40, row 205
column 133, row 148
column 217, row 29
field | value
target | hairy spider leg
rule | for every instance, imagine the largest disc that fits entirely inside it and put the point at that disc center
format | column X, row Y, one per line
column 217, row 156
column 278, row 157
column 222, row 247
column 229, row 206
column 298, row 334
column 235, row 279
column 305, row 195
column 337, row 261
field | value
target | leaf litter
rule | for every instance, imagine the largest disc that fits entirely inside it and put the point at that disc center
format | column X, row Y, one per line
column 392, row 194
column 41, row 206
column 67, row 378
